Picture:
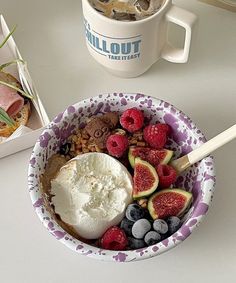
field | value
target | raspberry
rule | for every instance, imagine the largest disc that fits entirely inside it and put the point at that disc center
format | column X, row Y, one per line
column 117, row 145
column 167, row 175
column 114, row 239
column 156, row 135
column 164, row 128
column 132, row 120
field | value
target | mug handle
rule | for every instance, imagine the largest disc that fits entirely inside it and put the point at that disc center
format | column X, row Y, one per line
column 186, row 20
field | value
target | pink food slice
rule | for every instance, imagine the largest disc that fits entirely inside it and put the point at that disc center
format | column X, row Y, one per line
column 10, row 100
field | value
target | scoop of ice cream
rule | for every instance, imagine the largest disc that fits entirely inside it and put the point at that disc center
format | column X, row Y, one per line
column 91, row 193
column 127, row 10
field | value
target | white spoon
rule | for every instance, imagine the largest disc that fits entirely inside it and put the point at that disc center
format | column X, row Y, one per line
column 204, row 150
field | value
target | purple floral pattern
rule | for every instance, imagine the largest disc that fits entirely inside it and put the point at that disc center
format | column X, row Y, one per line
column 200, row 179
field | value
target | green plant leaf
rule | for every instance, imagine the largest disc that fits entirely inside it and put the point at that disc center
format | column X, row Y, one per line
column 17, row 89
column 6, row 39
column 4, row 117
column 10, row 63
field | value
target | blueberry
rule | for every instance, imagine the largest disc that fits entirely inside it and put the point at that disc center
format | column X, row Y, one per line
column 126, row 225
column 152, row 238
column 136, row 243
column 65, row 148
column 160, row 226
column 173, row 224
column 134, row 212
column 140, row 228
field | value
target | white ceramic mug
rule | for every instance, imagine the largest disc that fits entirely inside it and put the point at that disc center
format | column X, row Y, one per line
column 128, row 49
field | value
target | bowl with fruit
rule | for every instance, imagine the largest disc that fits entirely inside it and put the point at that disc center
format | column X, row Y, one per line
column 102, row 180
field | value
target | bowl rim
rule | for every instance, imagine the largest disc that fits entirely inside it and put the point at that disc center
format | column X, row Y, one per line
column 129, row 255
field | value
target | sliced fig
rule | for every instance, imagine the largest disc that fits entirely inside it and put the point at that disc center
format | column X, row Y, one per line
column 135, row 152
column 145, row 179
column 167, row 158
column 169, row 202
column 153, row 156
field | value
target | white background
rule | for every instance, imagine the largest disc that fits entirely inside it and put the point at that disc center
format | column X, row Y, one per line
column 50, row 38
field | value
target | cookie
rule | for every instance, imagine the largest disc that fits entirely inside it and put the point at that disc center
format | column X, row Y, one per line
column 110, row 118
column 99, row 131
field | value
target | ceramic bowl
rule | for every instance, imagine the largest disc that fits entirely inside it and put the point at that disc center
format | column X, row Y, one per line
column 200, row 179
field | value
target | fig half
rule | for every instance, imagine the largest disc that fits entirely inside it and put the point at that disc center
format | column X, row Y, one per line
column 153, row 156
column 169, row 202
column 146, row 179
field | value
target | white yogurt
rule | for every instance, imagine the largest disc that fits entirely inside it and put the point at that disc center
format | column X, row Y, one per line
column 92, row 192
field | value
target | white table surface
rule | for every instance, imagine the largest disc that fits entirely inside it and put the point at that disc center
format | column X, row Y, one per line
column 50, row 38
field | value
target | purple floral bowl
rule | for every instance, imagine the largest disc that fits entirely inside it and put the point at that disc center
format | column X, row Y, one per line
column 200, row 179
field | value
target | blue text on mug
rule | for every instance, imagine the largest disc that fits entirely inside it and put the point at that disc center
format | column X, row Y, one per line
column 114, row 48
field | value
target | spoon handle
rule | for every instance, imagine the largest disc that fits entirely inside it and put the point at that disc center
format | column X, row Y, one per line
column 211, row 145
